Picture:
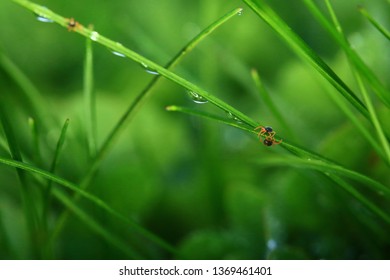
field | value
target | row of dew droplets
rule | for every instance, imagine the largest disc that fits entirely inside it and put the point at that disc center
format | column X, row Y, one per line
column 42, row 16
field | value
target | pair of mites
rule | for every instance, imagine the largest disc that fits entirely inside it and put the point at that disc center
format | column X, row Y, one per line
column 269, row 134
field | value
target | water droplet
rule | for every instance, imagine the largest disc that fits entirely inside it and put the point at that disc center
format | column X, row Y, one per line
column 233, row 117
column 42, row 17
column 197, row 98
column 94, row 36
column 116, row 52
column 239, row 13
column 149, row 70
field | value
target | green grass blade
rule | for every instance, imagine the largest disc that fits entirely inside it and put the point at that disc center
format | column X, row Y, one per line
column 326, row 168
column 265, row 96
column 369, row 76
column 96, row 227
column 29, row 206
column 97, row 201
column 376, row 24
column 53, row 167
column 90, row 100
column 32, row 97
column 36, row 137
column 305, row 52
column 351, row 190
column 334, row 172
column 366, row 98
column 209, row 116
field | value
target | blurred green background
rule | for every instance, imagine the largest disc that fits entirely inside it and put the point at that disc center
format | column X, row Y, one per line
column 191, row 181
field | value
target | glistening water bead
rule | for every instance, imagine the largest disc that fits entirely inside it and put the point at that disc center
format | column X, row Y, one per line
column 41, row 16
column 149, row 70
column 197, row 98
column 94, row 36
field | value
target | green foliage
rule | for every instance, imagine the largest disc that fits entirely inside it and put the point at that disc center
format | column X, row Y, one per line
column 198, row 185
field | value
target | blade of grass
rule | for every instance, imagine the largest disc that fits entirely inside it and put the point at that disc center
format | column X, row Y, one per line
column 209, row 116
column 48, row 189
column 96, row 227
column 30, row 210
column 376, row 24
column 90, row 99
column 333, row 171
column 305, row 52
column 369, row 76
column 371, row 110
column 269, row 103
column 35, row 135
column 32, row 97
column 97, row 201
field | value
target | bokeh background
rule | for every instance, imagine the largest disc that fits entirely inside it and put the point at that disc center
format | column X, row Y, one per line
column 194, row 182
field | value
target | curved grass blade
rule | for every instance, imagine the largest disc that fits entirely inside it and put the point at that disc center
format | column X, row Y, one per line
column 32, row 97
column 29, row 207
column 96, row 227
column 97, row 201
column 268, row 101
column 376, row 24
column 304, row 51
column 53, row 167
column 209, row 116
column 327, row 167
column 369, row 76
column 334, row 172
column 371, row 110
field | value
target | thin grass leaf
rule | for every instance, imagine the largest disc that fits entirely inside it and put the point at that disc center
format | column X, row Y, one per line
column 29, row 207
column 351, row 190
column 269, row 103
column 53, row 167
column 209, row 116
column 367, row 73
column 376, row 24
column 305, row 52
column 90, row 100
column 334, row 172
column 32, row 97
column 98, row 228
column 372, row 113
column 97, row 201
column 326, row 168
column 36, row 146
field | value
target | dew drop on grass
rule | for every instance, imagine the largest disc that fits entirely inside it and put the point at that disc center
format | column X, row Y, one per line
column 43, row 19
column 41, row 16
column 240, row 12
column 149, row 70
column 94, row 36
column 233, row 117
column 116, row 52
column 197, row 98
